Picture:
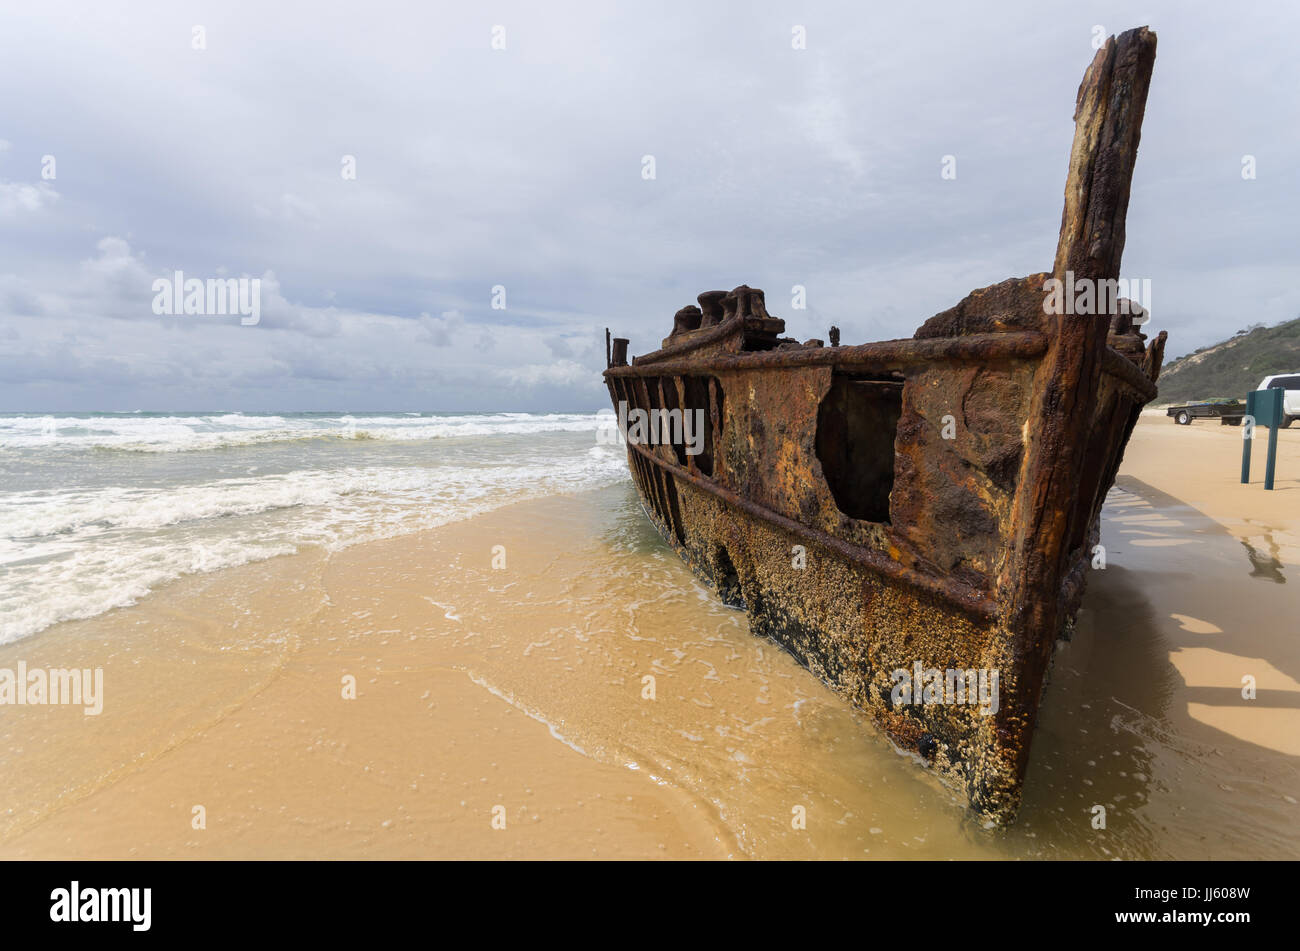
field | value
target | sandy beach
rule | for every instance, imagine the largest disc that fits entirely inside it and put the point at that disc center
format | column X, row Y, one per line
column 587, row 697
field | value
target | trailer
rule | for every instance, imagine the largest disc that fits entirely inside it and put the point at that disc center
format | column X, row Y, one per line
column 1229, row 412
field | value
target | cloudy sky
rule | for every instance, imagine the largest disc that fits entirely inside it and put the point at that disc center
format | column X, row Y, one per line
column 523, row 167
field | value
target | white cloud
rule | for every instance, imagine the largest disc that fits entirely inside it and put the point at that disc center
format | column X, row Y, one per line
column 290, row 208
column 560, row 373
column 17, row 198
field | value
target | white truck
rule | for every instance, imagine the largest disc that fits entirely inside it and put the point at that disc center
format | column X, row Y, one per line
column 1290, row 382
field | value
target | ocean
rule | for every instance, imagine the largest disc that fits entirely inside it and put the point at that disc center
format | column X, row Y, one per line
column 98, row 509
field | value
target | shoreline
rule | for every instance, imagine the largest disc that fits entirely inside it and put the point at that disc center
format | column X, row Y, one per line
column 523, row 688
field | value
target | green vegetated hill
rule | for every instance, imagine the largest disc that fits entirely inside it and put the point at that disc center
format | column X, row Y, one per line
column 1234, row 367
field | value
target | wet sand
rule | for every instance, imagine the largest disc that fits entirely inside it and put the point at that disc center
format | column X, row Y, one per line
column 519, row 693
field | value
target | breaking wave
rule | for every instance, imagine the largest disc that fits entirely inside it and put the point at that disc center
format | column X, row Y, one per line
column 81, row 534
column 156, row 433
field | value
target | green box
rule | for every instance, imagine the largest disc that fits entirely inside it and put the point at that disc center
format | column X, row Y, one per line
column 1265, row 407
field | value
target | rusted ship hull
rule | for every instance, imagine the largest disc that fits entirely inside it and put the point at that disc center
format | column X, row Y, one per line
column 928, row 505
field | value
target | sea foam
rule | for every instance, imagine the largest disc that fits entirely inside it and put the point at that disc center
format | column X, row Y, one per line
column 79, row 537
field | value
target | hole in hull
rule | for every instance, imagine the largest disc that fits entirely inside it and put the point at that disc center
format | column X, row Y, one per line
column 856, row 426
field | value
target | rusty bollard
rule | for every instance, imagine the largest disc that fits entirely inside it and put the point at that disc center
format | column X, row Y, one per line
column 619, row 358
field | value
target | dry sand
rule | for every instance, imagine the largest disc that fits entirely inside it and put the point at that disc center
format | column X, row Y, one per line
column 519, row 693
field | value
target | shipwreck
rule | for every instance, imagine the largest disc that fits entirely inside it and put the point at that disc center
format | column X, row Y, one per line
column 903, row 510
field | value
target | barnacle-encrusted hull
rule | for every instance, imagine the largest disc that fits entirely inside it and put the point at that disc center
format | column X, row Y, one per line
column 921, row 504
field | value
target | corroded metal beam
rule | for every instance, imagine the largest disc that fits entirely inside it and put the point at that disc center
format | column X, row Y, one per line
column 954, row 592
column 885, row 355
column 1128, row 373
column 1108, row 121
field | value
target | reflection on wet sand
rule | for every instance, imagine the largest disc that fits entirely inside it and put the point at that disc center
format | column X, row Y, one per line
column 1222, row 761
column 1265, row 566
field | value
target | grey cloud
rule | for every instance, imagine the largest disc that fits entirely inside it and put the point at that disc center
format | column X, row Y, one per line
column 522, row 167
